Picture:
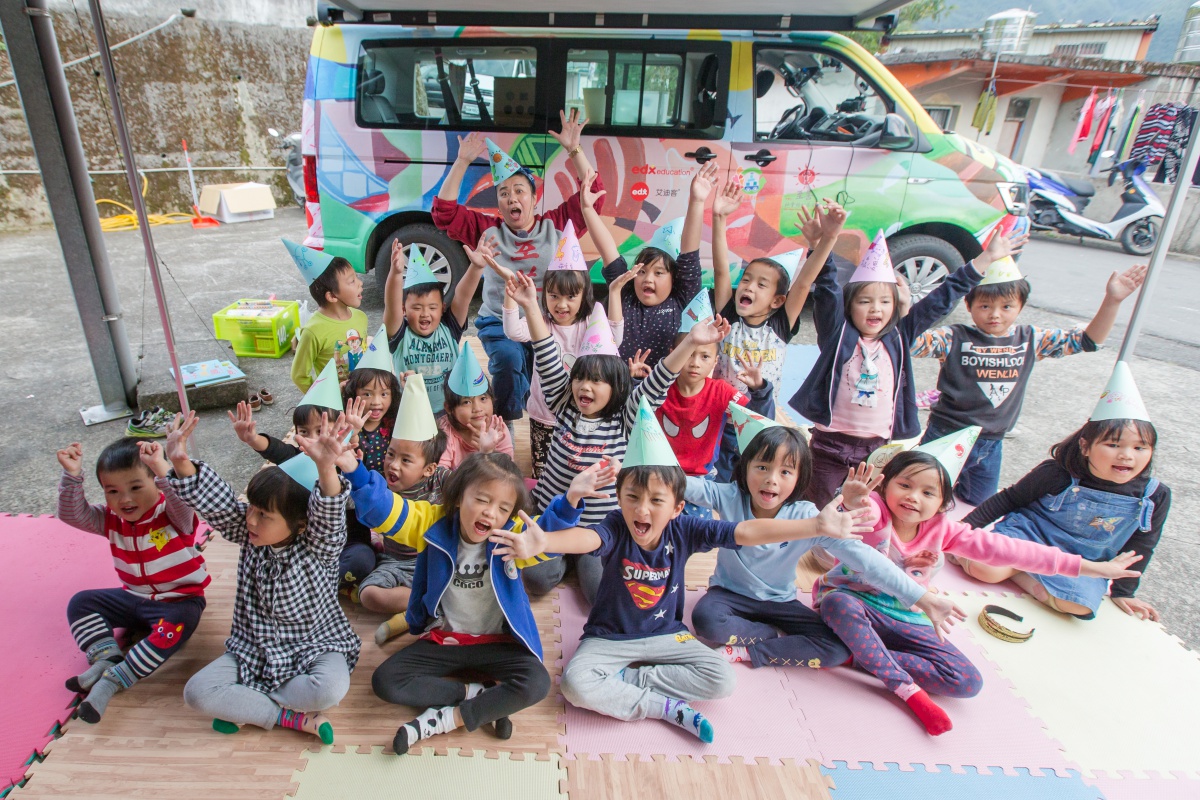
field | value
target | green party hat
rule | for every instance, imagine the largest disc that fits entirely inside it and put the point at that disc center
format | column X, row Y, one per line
column 648, row 445
column 325, row 392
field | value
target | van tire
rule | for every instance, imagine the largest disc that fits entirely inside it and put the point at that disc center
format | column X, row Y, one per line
column 925, row 260
column 445, row 256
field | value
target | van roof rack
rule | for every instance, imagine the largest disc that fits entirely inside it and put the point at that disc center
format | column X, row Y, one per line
column 763, row 15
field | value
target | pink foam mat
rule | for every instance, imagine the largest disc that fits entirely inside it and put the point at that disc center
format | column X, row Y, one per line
column 756, row 722
column 854, row 718
column 1148, row 788
column 45, row 562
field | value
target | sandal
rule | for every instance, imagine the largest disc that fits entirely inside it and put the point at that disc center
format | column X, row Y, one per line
column 266, row 396
column 255, row 402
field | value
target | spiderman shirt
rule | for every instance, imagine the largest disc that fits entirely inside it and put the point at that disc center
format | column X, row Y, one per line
column 693, row 425
column 641, row 591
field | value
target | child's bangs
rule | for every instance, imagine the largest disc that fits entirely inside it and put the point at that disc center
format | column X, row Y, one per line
column 485, row 468
column 638, row 478
column 568, row 283
column 306, row 415
column 914, row 462
column 651, row 254
column 1111, row 430
column 273, row 491
column 782, row 280
column 768, row 445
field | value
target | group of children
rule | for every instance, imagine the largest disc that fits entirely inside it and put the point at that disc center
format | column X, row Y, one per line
column 652, row 435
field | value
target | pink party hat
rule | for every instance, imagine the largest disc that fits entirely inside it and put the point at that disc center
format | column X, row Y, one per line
column 569, row 254
column 598, row 339
column 876, row 265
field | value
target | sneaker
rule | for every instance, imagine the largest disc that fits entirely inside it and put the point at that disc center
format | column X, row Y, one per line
column 1013, row 434
column 153, row 425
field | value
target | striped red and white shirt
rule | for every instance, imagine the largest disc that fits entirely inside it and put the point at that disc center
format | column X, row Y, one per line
column 155, row 556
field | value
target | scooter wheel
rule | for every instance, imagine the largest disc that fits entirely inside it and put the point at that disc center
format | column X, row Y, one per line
column 1139, row 236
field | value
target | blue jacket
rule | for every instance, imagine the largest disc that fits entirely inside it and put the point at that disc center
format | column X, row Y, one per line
column 434, row 534
column 837, row 338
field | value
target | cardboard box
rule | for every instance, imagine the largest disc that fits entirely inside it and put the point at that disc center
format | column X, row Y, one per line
column 237, row 202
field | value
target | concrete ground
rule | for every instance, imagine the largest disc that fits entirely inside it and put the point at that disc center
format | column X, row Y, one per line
column 43, row 384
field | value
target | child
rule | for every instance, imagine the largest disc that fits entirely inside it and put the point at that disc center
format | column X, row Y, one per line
column 337, row 289
column 764, row 311
column 1095, row 497
column 596, row 409
column 412, row 471
column 374, row 383
column 750, row 610
column 885, row 636
column 423, row 339
column 470, row 422
column 666, row 276
column 153, row 538
column 565, row 306
column 291, row 649
column 526, row 242
column 860, row 394
column 468, row 607
column 638, row 614
column 986, row 365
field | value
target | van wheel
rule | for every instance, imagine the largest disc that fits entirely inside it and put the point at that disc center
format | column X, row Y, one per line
column 926, row 261
column 444, row 255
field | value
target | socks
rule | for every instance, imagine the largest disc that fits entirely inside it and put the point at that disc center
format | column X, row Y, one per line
column 735, row 654
column 678, row 712
column 314, row 724
column 390, row 629
column 430, row 722
column 931, row 715
column 504, row 728
column 223, row 726
column 101, row 655
column 116, row 678
column 473, row 690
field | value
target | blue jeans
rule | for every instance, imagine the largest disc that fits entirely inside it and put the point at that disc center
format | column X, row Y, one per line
column 980, row 476
column 511, row 366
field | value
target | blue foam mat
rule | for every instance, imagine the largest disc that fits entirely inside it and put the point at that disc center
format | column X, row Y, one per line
column 894, row 783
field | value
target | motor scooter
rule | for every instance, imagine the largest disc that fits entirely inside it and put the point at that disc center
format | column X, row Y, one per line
column 294, row 161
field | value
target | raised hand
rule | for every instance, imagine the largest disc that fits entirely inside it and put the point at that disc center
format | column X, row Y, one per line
column 751, row 371
column 704, row 181
column 485, row 250
column 521, row 289
column 523, row 545
column 471, row 147
column 860, row 482
column 638, row 368
column 399, row 260
column 589, row 482
column 355, row 415
column 728, row 200
column 710, row 331
column 151, row 454
column 347, row 462
column 70, row 458
column 177, row 437
column 491, row 434
column 243, row 423
column 618, row 283
column 843, row 524
column 1112, row 570
column 810, row 224
column 999, row 247
column 404, row 376
column 572, row 129
column 587, row 193
column 1122, row 284
column 1136, row 608
column 903, row 294
column 942, row 612
column 326, row 446
column 833, row 217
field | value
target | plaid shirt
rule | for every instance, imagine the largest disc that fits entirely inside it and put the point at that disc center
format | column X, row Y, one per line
column 286, row 612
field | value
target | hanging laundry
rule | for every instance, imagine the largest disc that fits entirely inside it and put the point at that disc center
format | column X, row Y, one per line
column 1103, row 116
column 1085, row 121
column 985, row 110
column 1150, row 144
column 1177, row 142
column 1125, row 141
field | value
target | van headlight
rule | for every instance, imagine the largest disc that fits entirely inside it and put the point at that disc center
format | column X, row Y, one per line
column 1015, row 197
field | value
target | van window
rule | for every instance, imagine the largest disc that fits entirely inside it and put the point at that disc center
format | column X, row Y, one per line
column 676, row 86
column 452, row 84
column 812, row 96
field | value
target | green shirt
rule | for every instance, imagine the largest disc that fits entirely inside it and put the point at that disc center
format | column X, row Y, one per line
column 430, row 356
column 323, row 338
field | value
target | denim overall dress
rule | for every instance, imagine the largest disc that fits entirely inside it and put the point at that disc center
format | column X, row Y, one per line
column 1089, row 522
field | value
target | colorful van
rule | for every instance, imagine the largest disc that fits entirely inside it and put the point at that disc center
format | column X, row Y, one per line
column 795, row 116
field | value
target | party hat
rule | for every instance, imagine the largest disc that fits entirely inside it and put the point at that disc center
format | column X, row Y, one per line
column 569, row 254
column 301, row 469
column 503, row 165
column 747, row 424
column 1121, row 399
column 1002, row 271
column 790, row 261
column 414, row 419
column 311, row 262
column 377, row 355
column 325, row 391
column 466, row 379
column 648, row 445
column 696, row 312
column 668, row 237
column 876, row 265
column 418, row 271
column 952, row 450
column 880, row 457
column 598, row 339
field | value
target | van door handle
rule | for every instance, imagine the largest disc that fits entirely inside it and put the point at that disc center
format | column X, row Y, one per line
column 701, row 154
column 762, row 157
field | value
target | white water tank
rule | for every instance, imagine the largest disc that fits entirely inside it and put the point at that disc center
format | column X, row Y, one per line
column 1009, row 32
column 1188, row 49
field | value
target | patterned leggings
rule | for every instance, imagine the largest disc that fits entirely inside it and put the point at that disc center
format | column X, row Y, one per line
column 899, row 653
column 540, row 436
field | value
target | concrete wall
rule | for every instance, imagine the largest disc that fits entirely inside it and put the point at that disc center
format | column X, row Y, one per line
column 220, row 85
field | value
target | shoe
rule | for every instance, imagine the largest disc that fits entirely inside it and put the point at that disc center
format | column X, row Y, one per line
column 265, row 395
column 154, row 424
column 256, row 402
column 1013, row 434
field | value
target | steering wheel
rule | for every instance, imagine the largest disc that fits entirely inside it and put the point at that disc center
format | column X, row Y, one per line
column 789, row 119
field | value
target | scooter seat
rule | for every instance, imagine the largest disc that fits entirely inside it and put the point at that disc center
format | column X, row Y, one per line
column 1080, row 186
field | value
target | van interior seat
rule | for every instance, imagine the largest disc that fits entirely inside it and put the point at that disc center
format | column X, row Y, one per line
column 704, row 101
column 763, row 82
column 375, row 107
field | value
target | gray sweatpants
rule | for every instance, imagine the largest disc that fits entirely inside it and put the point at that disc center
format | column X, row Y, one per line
column 216, row 692
column 680, row 667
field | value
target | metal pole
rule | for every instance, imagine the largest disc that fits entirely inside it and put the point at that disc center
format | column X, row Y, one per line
column 46, row 101
column 1183, row 182
column 139, row 207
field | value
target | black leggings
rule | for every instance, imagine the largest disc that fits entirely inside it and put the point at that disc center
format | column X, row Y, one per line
column 416, row 676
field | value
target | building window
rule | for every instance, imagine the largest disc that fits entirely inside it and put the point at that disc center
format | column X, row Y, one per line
column 1083, row 50
column 944, row 116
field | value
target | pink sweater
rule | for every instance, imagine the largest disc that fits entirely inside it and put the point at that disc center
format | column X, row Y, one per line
column 458, row 448
column 924, row 556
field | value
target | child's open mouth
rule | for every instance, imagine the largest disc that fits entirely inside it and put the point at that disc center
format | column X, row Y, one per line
column 585, row 401
column 376, row 413
column 767, row 497
column 482, row 528
column 129, row 510
column 744, row 301
column 641, row 529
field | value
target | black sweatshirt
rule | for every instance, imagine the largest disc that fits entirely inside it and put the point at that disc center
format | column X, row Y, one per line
column 1048, row 478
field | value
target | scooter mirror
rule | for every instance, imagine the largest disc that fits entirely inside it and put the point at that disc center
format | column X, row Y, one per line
column 1108, row 154
column 273, row 132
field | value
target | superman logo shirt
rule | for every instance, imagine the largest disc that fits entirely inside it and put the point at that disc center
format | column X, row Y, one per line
column 642, row 592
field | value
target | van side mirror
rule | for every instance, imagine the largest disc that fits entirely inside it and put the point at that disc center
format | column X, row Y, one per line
column 896, row 134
